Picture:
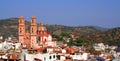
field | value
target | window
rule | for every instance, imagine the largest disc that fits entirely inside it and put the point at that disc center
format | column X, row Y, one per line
column 20, row 21
column 20, row 30
column 50, row 57
column 32, row 21
column 53, row 56
column 44, row 59
column 38, row 39
column 32, row 30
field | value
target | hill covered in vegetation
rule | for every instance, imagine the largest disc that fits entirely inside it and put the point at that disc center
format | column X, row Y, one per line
column 89, row 34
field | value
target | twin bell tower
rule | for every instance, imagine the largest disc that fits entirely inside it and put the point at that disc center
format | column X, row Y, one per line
column 27, row 38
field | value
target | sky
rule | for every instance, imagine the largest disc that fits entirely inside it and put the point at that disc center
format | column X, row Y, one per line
column 103, row 13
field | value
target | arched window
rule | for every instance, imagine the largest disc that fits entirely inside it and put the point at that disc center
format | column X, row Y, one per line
column 32, row 30
column 38, row 39
column 20, row 21
column 45, row 40
column 33, row 21
column 20, row 30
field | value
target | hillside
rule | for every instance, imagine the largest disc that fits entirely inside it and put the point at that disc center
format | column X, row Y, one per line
column 10, row 28
column 111, row 37
column 88, row 33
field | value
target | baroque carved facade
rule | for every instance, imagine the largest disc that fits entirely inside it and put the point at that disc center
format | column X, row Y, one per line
column 37, row 35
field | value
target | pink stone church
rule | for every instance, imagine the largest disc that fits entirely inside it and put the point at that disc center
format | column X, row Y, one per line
column 37, row 35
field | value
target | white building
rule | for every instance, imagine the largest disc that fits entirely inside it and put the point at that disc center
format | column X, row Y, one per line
column 9, row 45
column 83, row 56
column 43, row 57
column 99, row 46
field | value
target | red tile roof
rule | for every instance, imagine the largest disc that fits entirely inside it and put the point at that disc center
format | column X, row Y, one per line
column 2, row 53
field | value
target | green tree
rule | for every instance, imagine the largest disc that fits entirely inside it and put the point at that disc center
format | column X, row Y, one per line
column 56, row 36
column 70, row 43
column 78, row 42
column 64, row 37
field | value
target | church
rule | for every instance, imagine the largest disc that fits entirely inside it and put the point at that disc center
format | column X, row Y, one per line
column 37, row 35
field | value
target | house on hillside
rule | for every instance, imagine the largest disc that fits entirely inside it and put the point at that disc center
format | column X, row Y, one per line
column 99, row 46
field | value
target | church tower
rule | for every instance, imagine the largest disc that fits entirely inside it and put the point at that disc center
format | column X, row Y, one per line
column 33, row 32
column 21, row 29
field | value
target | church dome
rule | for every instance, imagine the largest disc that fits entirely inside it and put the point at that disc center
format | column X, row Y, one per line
column 41, row 27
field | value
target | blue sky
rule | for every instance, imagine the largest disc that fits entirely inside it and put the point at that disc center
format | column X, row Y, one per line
column 104, row 13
